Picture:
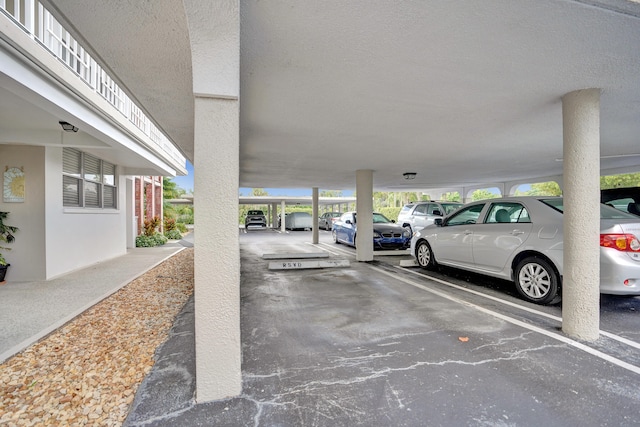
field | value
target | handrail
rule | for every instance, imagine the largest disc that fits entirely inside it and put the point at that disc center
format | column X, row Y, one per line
column 44, row 29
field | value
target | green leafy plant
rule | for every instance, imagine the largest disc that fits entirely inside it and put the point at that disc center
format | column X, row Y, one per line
column 159, row 239
column 151, row 225
column 169, row 224
column 143, row 241
column 173, row 234
column 6, row 235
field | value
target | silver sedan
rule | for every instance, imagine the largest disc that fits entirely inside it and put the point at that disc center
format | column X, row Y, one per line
column 520, row 239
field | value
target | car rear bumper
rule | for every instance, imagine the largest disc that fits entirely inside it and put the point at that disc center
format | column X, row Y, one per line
column 619, row 274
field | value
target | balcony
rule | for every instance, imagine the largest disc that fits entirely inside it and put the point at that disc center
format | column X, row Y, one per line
column 38, row 31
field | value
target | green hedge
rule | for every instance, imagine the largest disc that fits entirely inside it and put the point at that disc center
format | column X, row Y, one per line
column 150, row 241
column 173, row 235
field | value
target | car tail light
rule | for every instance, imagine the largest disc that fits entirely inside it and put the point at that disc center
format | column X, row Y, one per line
column 620, row 242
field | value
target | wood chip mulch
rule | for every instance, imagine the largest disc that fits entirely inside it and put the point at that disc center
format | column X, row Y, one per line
column 87, row 372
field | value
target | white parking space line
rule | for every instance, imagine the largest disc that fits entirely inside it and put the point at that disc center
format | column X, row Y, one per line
column 517, row 306
column 335, row 249
column 561, row 338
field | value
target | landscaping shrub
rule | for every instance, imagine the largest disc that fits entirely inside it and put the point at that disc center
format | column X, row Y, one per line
column 173, row 234
column 169, row 224
column 151, row 225
column 144, row 241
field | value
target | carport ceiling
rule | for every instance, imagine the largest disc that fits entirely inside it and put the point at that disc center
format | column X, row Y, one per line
column 460, row 92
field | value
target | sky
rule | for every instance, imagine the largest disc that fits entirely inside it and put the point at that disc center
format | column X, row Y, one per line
column 186, row 183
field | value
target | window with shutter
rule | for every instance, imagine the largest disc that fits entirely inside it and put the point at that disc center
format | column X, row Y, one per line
column 88, row 181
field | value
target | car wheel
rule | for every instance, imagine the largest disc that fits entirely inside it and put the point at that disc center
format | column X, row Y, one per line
column 536, row 280
column 424, row 256
column 335, row 236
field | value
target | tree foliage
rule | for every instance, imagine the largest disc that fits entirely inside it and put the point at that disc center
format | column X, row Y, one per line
column 550, row 188
column 483, row 194
column 623, row 180
column 171, row 190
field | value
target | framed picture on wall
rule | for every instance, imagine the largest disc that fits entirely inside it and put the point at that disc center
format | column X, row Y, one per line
column 13, row 187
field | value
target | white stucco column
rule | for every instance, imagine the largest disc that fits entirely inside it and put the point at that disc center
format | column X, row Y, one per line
column 282, row 216
column 274, row 219
column 364, row 209
column 214, row 35
column 581, row 152
column 314, row 220
column 217, row 250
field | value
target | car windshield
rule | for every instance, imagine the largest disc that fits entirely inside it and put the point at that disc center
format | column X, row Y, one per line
column 255, row 213
column 450, row 207
column 606, row 212
column 406, row 209
column 380, row 219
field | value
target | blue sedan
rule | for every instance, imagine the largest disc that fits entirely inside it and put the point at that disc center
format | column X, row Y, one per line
column 386, row 233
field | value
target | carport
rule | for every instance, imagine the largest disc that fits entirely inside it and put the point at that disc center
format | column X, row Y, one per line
column 272, row 203
column 353, row 95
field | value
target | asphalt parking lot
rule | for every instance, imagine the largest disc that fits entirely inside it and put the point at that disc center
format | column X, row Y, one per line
column 376, row 344
column 619, row 314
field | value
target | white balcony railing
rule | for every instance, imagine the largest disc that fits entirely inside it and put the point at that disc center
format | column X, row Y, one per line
column 49, row 33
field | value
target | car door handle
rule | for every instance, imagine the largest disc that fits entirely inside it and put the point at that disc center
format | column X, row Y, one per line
column 468, row 232
column 517, row 232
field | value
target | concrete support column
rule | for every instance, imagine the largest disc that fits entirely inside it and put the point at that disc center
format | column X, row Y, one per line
column 282, row 216
column 274, row 221
column 314, row 219
column 214, row 36
column 217, row 258
column 581, row 152
column 130, row 208
column 364, row 209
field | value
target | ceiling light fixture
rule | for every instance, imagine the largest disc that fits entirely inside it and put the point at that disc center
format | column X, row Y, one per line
column 68, row 127
column 409, row 175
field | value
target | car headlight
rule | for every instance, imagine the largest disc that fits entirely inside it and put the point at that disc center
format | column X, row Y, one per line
column 406, row 233
column 376, row 235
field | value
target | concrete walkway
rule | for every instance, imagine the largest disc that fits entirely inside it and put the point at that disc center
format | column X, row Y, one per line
column 32, row 310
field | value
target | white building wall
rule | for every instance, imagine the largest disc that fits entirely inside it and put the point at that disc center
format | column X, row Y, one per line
column 76, row 238
column 53, row 240
column 27, row 254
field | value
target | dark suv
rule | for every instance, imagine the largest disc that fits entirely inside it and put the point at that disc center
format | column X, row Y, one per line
column 255, row 218
column 418, row 215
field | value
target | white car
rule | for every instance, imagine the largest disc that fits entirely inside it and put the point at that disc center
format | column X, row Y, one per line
column 298, row 221
column 416, row 216
column 520, row 239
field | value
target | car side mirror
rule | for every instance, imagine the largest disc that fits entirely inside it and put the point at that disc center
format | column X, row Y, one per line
column 437, row 212
column 438, row 222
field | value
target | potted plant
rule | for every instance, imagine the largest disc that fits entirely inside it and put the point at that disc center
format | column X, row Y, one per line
column 6, row 236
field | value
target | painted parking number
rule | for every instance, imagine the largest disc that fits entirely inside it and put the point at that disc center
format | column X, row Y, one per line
column 291, row 265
